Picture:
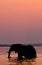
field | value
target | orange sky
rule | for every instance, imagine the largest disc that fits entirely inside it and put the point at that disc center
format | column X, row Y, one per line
column 21, row 21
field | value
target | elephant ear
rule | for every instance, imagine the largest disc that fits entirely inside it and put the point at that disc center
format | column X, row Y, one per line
column 15, row 47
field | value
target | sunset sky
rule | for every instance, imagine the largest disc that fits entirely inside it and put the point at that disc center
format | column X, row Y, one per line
column 20, row 21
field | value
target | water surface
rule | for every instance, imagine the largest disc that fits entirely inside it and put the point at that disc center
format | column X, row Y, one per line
column 4, row 60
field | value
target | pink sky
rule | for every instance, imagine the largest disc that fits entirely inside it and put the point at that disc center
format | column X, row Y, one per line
column 20, row 21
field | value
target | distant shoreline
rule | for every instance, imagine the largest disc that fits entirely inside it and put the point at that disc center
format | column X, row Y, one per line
column 5, row 45
column 8, row 45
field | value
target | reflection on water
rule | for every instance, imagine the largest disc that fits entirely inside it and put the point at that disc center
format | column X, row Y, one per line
column 12, row 62
column 21, row 63
column 4, row 60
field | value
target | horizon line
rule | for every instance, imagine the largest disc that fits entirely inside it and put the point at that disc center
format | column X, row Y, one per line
column 7, row 45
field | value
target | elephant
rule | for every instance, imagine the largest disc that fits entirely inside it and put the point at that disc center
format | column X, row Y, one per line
column 28, row 51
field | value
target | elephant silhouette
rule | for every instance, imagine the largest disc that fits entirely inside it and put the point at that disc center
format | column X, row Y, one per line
column 28, row 51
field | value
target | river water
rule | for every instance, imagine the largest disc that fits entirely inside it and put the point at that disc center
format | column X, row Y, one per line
column 5, row 61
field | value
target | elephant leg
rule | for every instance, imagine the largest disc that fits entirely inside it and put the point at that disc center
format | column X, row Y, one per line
column 20, row 57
